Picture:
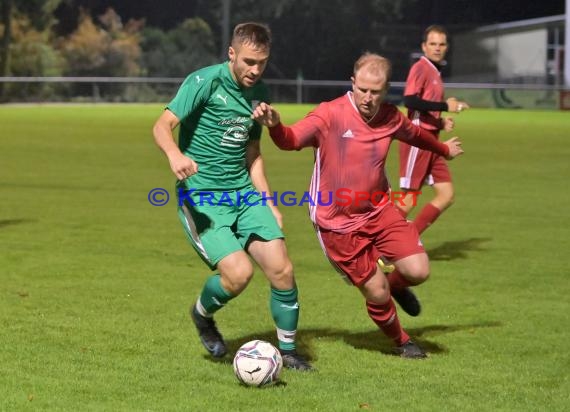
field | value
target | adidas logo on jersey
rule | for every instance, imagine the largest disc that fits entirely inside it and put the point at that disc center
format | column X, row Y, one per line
column 348, row 134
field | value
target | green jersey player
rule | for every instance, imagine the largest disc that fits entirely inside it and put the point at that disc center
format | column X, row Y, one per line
column 218, row 155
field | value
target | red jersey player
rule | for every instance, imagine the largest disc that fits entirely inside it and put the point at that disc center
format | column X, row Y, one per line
column 423, row 97
column 351, row 136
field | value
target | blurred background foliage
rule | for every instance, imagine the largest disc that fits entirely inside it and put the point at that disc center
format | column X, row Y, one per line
column 315, row 39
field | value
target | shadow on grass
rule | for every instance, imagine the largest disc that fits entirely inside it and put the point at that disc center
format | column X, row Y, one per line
column 12, row 222
column 457, row 249
column 373, row 340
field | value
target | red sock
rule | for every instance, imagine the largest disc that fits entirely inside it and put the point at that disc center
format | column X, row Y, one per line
column 426, row 217
column 386, row 318
column 397, row 281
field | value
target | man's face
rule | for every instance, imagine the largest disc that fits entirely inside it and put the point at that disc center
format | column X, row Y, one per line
column 435, row 46
column 368, row 90
column 247, row 63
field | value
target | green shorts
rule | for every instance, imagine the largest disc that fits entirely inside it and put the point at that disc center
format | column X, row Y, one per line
column 218, row 223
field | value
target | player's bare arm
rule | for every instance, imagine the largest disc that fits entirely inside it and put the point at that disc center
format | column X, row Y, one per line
column 456, row 106
column 254, row 162
column 182, row 166
column 266, row 115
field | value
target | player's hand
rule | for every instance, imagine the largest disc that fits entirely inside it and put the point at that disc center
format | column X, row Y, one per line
column 456, row 106
column 266, row 115
column 455, row 149
column 182, row 166
column 448, row 124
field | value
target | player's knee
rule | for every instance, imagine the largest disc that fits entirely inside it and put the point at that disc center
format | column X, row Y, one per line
column 287, row 270
column 418, row 274
column 381, row 297
column 282, row 275
column 236, row 279
column 376, row 292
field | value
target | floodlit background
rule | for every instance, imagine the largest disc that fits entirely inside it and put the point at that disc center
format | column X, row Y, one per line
column 503, row 54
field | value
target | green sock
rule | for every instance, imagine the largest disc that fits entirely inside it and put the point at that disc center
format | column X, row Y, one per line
column 285, row 312
column 213, row 296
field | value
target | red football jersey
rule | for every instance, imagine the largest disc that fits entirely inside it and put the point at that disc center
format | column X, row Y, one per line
column 424, row 80
column 350, row 156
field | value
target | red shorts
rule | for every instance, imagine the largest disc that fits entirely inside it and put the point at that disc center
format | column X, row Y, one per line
column 419, row 167
column 355, row 255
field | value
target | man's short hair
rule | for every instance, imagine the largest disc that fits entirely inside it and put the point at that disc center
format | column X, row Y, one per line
column 375, row 64
column 257, row 34
column 434, row 28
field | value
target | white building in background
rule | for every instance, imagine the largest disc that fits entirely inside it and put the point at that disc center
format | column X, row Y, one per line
column 525, row 51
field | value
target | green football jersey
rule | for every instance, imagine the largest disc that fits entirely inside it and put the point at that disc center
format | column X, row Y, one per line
column 216, row 125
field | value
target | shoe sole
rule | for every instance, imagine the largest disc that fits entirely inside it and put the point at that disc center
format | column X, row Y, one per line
column 416, row 356
column 303, row 369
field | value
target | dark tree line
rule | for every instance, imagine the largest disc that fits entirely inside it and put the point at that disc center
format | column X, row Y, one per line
column 318, row 39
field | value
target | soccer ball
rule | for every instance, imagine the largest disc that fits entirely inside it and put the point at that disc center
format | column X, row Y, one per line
column 257, row 363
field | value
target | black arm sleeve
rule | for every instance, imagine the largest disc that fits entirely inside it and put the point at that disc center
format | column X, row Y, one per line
column 413, row 102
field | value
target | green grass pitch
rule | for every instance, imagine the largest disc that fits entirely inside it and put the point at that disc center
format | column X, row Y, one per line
column 95, row 283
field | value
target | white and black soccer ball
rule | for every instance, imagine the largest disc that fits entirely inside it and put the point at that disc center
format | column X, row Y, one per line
column 258, row 363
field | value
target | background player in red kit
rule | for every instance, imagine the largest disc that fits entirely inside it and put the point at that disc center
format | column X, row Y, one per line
column 351, row 136
column 424, row 98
